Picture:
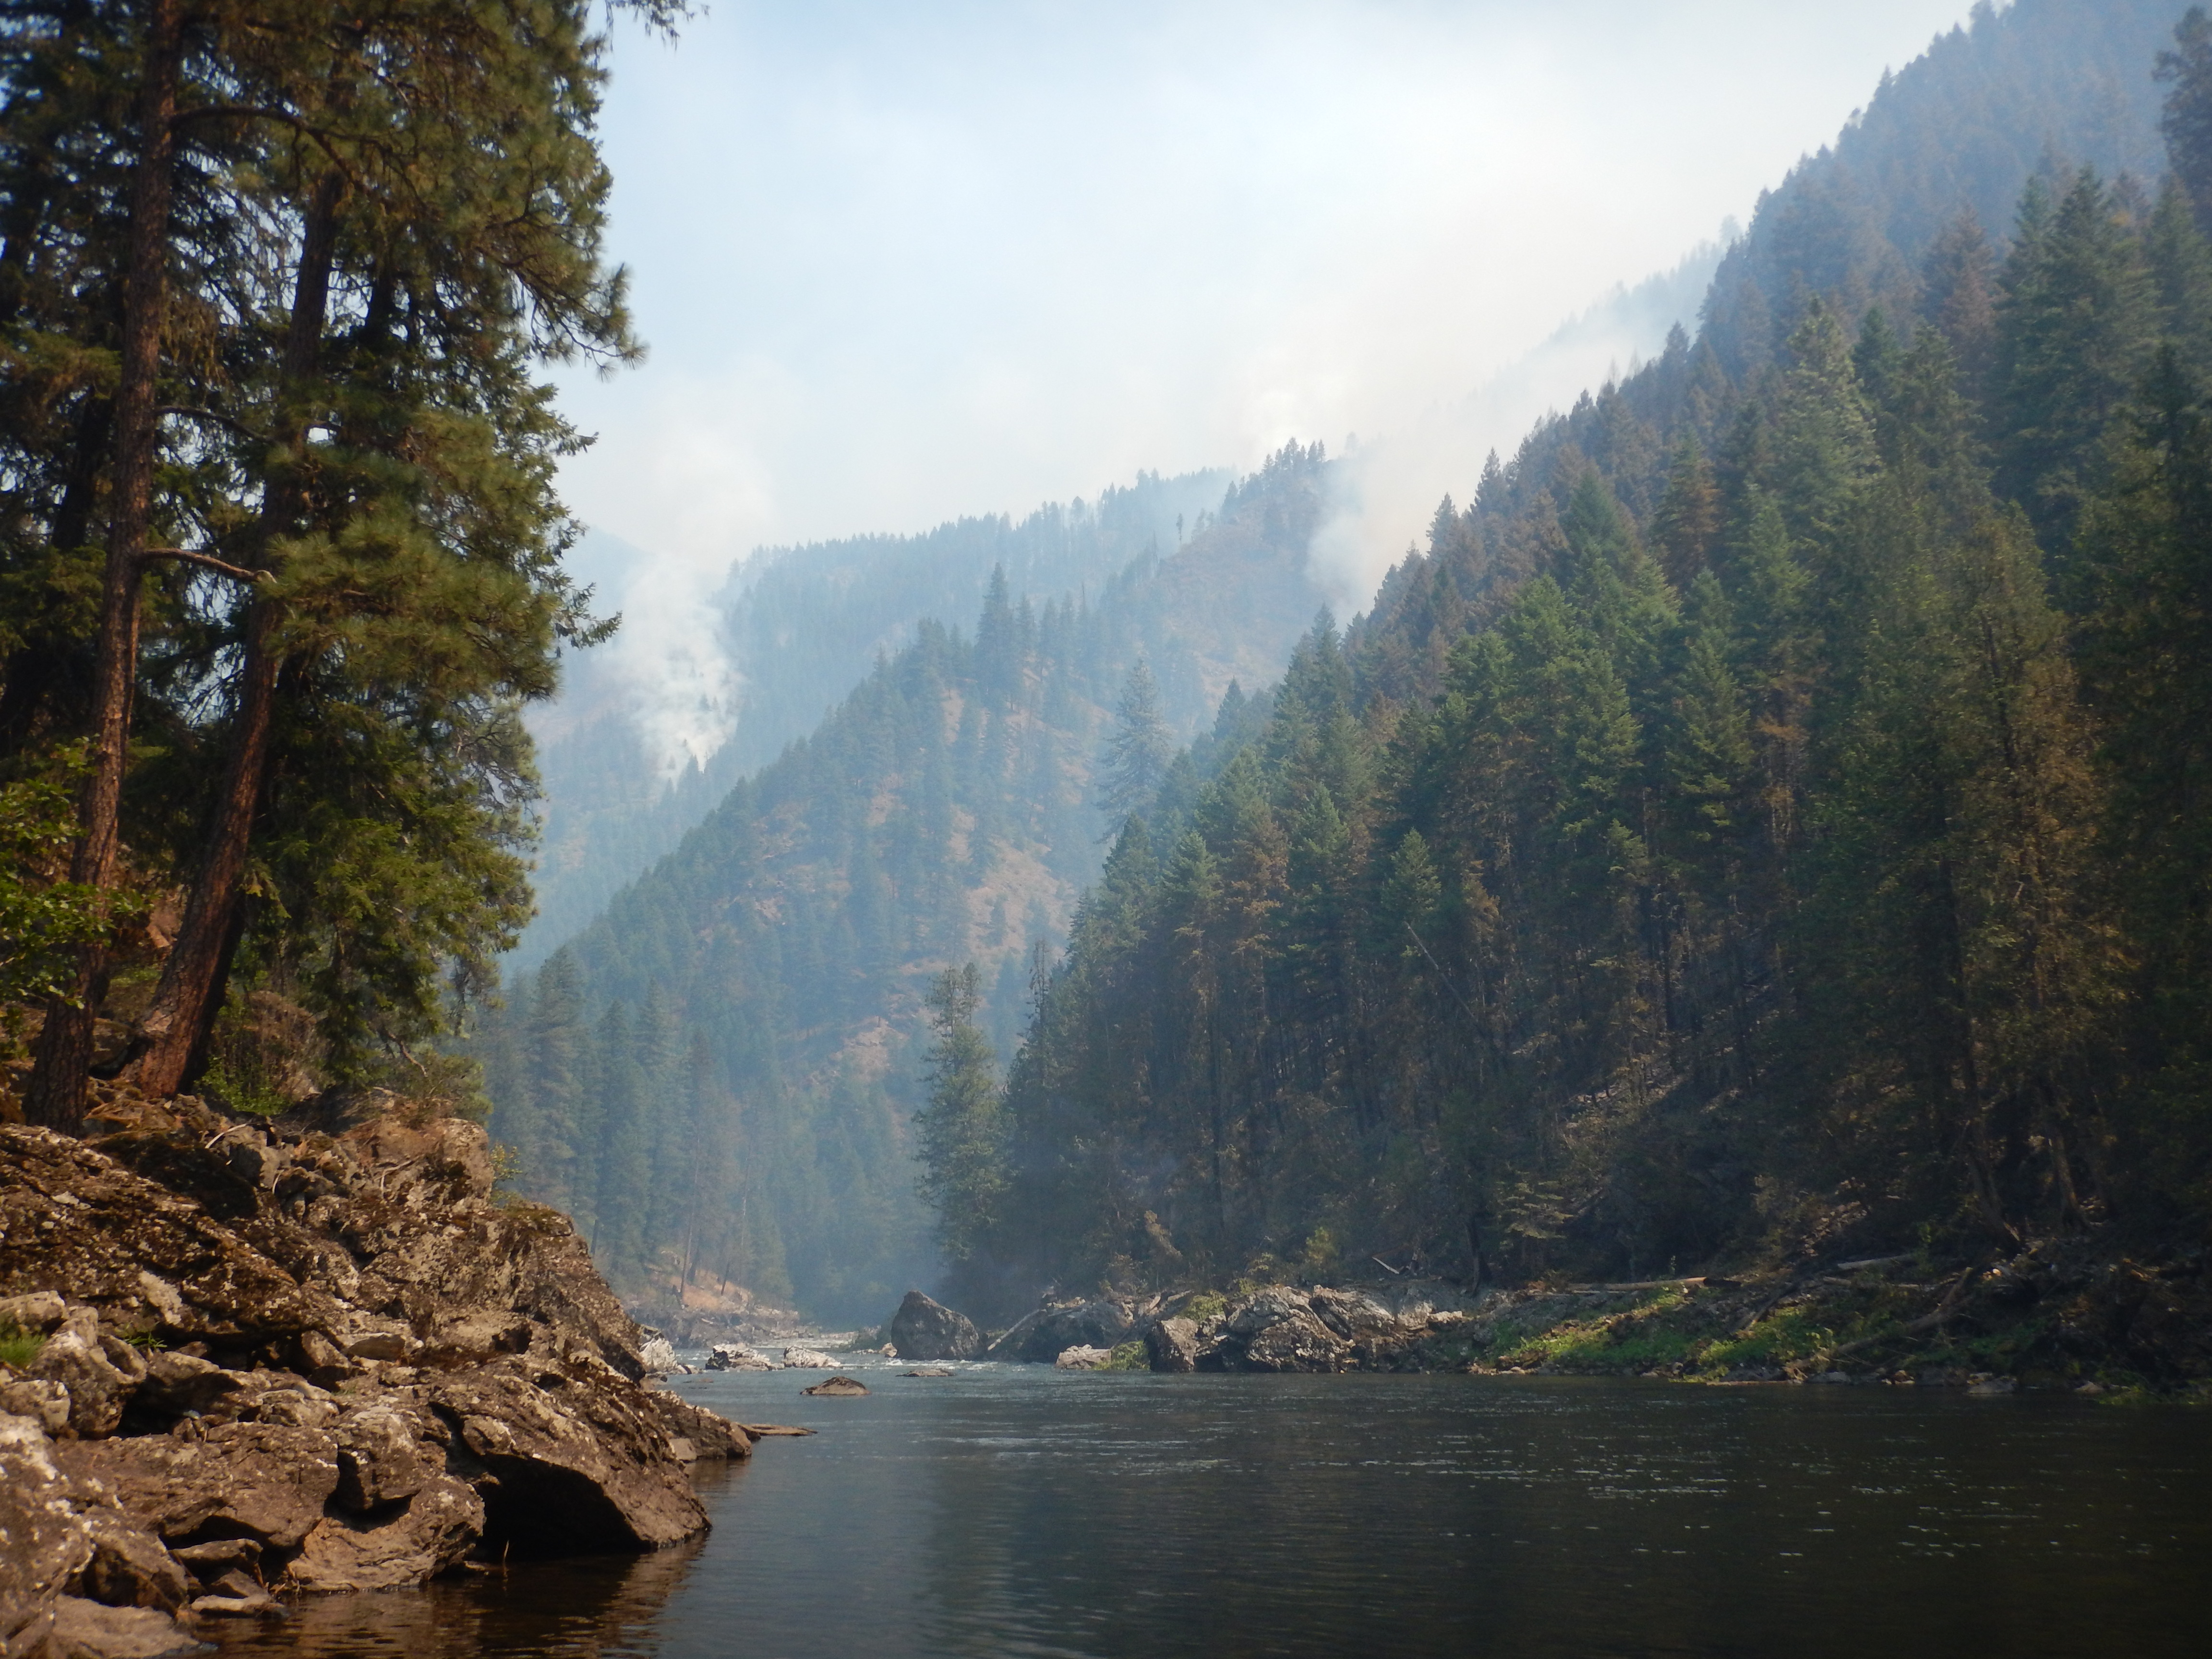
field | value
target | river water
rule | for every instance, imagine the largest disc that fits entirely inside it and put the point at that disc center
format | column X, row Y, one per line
column 1021, row 1511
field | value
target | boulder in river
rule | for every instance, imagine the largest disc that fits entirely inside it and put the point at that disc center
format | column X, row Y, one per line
column 838, row 1385
column 923, row 1330
column 1172, row 1346
column 1082, row 1358
column 808, row 1359
column 735, row 1357
column 1040, row 1338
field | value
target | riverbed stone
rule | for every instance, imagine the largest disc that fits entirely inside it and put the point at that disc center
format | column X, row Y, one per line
column 1082, row 1358
column 924, row 1329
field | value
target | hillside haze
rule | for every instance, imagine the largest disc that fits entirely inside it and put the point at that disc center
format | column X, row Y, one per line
column 761, row 989
column 719, row 1073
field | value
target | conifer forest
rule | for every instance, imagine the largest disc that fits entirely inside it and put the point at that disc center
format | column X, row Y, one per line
column 1770, row 818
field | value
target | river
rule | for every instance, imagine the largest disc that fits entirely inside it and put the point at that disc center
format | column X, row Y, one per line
column 1019, row 1510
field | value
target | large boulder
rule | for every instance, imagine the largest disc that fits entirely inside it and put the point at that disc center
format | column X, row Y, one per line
column 393, row 1546
column 1297, row 1343
column 267, row 1481
column 1042, row 1336
column 923, row 1330
column 1172, row 1346
column 566, row 1458
column 1276, row 1329
column 736, row 1357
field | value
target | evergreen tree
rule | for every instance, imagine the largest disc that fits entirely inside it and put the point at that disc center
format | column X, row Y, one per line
column 961, row 1129
column 1138, row 752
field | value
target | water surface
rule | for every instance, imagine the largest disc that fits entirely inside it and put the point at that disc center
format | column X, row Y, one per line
column 1019, row 1510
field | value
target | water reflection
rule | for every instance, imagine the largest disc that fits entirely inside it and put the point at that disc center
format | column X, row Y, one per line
column 1017, row 1511
column 599, row 1608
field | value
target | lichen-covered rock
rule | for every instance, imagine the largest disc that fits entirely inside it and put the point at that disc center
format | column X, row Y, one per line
column 923, row 1330
column 268, row 1481
column 1298, row 1342
column 379, row 1461
column 709, row 1434
column 73, row 1221
column 100, row 1371
column 67, row 1554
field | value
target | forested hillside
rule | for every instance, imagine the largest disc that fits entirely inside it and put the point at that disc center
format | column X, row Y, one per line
column 715, row 1077
column 798, row 627
column 1770, row 818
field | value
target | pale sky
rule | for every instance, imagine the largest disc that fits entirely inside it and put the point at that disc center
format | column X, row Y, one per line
column 900, row 262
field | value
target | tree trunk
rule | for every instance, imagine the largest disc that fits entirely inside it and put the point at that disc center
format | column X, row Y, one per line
column 55, row 1095
column 176, row 1023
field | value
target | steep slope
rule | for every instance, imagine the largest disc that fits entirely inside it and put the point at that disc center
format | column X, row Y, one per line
column 716, row 1077
column 1788, row 851
column 792, row 630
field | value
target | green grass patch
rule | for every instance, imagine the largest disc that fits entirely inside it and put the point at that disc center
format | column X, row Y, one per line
column 1204, row 1306
column 19, row 1347
column 1129, row 1357
column 1793, row 1334
column 1640, row 1337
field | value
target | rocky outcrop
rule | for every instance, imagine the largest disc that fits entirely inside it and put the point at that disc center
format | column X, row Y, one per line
column 292, row 1360
column 735, row 1357
column 838, row 1385
column 923, row 1330
column 1172, row 1345
column 1042, row 1337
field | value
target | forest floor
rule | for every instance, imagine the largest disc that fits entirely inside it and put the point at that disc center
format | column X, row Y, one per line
column 2073, row 1314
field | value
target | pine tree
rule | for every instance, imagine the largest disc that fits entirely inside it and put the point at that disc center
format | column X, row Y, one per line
column 2186, row 120
column 1137, row 754
column 962, row 1128
column 1687, row 522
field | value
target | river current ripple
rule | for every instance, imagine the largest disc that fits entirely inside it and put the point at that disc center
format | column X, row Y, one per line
column 1017, row 1510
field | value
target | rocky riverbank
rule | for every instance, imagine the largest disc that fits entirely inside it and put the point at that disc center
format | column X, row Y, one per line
column 2075, row 1314
column 242, row 1360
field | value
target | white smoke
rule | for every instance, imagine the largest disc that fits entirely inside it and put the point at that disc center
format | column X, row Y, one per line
column 1386, row 492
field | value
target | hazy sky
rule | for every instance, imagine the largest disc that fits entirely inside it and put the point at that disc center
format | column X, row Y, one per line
column 897, row 261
